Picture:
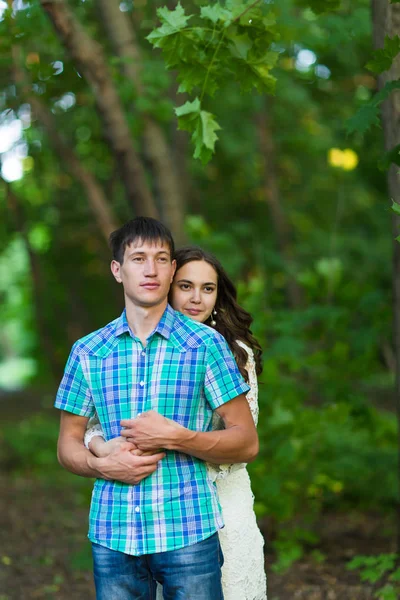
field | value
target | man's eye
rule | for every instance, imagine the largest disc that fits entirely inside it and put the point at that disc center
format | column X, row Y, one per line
column 162, row 260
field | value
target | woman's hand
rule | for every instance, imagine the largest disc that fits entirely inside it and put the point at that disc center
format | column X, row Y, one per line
column 100, row 448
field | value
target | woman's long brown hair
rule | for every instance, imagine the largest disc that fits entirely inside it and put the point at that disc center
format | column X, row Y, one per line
column 232, row 321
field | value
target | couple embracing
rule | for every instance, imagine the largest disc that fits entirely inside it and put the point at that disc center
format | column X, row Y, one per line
column 161, row 408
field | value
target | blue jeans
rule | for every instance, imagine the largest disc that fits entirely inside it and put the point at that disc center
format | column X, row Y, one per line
column 191, row 573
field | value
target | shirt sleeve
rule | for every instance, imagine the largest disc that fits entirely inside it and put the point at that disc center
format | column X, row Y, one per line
column 74, row 394
column 223, row 380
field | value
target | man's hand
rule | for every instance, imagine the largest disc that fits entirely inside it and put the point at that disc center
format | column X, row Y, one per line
column 126, row 464
column 151, row 431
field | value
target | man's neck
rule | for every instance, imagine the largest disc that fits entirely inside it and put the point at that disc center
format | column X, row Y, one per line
column 143, row 320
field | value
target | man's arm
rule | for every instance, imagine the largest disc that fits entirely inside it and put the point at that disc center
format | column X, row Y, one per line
column 121, row 465
column 237, row 443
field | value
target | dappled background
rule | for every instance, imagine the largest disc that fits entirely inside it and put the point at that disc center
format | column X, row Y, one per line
column 294, row 206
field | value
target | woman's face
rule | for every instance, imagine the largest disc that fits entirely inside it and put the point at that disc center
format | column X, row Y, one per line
column 194, row 290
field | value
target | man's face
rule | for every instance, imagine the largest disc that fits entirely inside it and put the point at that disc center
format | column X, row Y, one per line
column 146, row 273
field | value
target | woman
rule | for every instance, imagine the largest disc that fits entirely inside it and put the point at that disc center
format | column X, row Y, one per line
column 202, row 290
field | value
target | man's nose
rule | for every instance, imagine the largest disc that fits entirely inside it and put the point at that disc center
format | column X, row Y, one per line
column 150, row 268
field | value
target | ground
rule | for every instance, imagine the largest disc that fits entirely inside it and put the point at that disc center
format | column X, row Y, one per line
column 44, row 553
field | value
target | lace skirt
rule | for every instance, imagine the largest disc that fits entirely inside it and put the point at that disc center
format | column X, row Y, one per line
column 243, row 573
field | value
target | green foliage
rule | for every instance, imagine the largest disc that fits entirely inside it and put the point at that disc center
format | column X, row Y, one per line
column 393, row 156
column 368, row 115
column 395, row 207
column 382, row 58
column 290, row 547
column 230, row 41
column 31, row 445
column 327, row 429
column 375, row 568
column 203, row 124
column 320, row 6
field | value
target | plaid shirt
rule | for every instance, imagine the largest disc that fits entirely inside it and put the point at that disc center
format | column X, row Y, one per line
column 185, row 372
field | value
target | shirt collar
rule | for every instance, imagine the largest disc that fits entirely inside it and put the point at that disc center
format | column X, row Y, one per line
column 164, row 326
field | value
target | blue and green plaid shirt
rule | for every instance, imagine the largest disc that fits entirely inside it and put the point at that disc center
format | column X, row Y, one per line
column 185, row 372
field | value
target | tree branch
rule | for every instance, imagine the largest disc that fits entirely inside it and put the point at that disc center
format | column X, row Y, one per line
column 123, row 39
column 90, row 60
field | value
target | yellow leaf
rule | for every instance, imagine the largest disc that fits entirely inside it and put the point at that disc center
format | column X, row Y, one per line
column 335, row 157
column 350, row 160
column 343, row 159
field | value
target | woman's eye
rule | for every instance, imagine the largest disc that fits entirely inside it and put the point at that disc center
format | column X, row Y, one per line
column 209, row 289
column 184, row 286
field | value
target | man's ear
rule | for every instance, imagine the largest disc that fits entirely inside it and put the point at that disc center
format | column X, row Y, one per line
column 173, row 270
column 116, row 270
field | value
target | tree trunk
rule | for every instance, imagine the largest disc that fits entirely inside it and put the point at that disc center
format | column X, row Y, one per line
column 98, row 202
column 38, row 287
column 90, row 60
column 274, row 202
column 386, row 21
column 123, row 39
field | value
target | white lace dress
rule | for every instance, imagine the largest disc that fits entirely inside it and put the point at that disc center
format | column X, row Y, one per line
column 243, row 574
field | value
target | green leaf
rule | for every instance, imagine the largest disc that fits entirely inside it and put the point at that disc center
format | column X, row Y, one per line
column 173, row 21
column 386, row 91
column 393, row 156
column 383, row 58
column 364, row 119
column 395, row 207
column 395, row 576
column 368, row 115
column 388, row 592
column 215, row 13
column 203, row 127
column 208, row 128
column 176, row 18
column 188, row 108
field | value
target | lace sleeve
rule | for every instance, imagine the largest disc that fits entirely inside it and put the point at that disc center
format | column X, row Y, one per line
column 93, row 429
column 222, row 471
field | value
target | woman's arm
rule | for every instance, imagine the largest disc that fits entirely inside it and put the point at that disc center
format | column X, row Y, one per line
column 94, row 439
column 223, row 470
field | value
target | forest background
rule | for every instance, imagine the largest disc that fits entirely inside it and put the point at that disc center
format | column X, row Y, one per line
column 293, row 200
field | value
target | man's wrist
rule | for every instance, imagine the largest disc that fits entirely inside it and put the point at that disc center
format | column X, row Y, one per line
column 96, row 465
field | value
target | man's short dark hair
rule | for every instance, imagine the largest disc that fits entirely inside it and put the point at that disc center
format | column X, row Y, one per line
column 145, row 229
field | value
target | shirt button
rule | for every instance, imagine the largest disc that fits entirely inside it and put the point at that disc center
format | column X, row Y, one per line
column 141, row 383
column 137, row 509
column 143, row 353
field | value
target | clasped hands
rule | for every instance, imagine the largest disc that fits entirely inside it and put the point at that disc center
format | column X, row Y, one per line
column 150, row 432
column 136, row 453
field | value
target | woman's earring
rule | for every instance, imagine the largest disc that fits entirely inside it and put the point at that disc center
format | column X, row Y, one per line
column 213, row 321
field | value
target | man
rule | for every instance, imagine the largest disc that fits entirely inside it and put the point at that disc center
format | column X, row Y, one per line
column 153, row 518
